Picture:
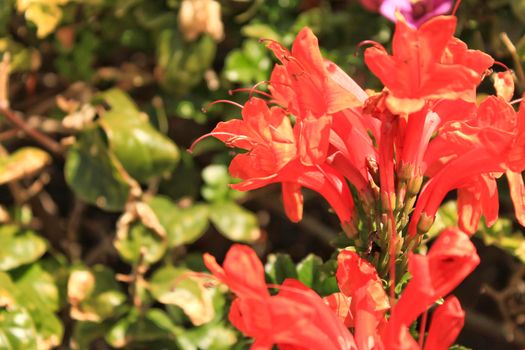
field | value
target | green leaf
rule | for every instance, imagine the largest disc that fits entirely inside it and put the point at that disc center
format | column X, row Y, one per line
column 143, row 151
column 210, row 337
column 36, row 287
column 22, row 58
column 93, row 173
column 217, row 184
column 182, row 225
column 260, row 31
column 518, row 7
column 176, row 286
column 84, row 333
column 235, row 222
column 137, row 331
column 280, row 267
column 37, row 292
column 17, row 330
column 309, row 271
column 94, row 294
column 329, row 286
column 19, row 247
column 249, row 64
column 140, row 238
column 181, row 65
column 24, row 162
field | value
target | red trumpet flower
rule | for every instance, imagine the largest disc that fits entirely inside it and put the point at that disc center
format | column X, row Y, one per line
column 295, row 318
column 427, row 64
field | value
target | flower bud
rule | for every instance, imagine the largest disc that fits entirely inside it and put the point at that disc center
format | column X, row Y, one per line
column 200, row 16
column 425, row 223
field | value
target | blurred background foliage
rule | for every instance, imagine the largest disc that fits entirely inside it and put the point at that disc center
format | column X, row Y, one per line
column 103, row 212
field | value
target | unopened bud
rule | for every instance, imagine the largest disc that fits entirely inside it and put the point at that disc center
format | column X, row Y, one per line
column 388, row 201
column 201, row 16
column 405, row 172
column 414, row 185
column 373, row 169
column 425, row 223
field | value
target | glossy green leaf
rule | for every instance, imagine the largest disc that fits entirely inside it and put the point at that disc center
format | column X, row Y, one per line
column 19, row 247
column 211, row 336
column 93, row 174
column 17, row 330
column 235, row 222
column 217, row 184
column 36, row 287
column 250, row 64
column 37, row 291
column 138, row 238
column 182, row 225
column 309, row 271
column 280, row 267
column 176, row 286
column 143, row 151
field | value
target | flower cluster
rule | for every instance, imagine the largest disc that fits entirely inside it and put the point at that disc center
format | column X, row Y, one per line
column 396, row 153
column 298, row 318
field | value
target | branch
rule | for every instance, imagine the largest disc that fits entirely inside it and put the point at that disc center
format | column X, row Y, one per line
column 20, row 123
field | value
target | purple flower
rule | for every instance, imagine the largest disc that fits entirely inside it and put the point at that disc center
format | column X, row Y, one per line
column 416, row 12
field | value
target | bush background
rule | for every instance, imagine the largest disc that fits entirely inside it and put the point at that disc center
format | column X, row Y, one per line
column 102, row 209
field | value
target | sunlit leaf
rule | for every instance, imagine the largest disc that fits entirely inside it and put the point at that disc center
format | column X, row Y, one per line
column 235, row 222
column 19, row 247
column 143, row 151
column 137, row 240
column 17, row 330
column 24, row 162
column 176, row 286
column 182, row 225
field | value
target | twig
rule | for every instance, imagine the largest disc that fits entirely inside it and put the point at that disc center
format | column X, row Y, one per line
column 10, row 134
column 43, row 139
column 4, row 80
column 514, row 54
column 73, row 225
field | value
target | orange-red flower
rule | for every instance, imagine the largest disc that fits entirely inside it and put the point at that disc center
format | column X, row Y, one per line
column 306, row 83
column 278, row 153
column 469, row 156
column 364, row 297
column 427, row 64
column 447, row 322
column 295, row 318
column 451, row 258
column 363, row 303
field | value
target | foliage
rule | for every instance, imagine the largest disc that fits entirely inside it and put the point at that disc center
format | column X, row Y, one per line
column 99, row 219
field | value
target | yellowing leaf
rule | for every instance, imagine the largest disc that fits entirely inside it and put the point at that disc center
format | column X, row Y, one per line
column 45, row 14
column 24, row 162
column 176, row 286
